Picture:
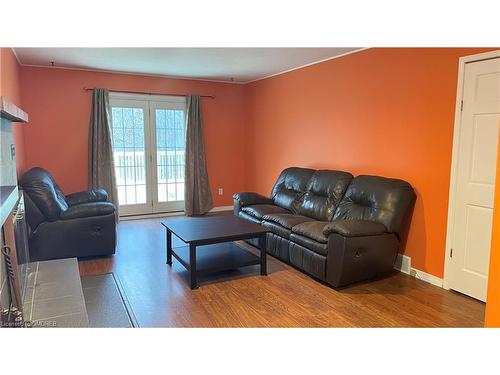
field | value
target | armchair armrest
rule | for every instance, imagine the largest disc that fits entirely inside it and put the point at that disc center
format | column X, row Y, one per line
column 249, row 198
column 354, row 228
column 92, row 195
column 87, row 210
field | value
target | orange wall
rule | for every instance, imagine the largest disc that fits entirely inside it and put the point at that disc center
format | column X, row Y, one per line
column 59, row 109
column 493, row 298
column 381, row 111
column 11, row 90
column 386, row 112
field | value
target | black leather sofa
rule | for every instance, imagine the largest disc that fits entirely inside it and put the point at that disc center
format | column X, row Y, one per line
column 76, row 225
column 338, row 228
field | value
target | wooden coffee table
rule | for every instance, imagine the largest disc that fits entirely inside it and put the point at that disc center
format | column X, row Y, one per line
column 210, row 246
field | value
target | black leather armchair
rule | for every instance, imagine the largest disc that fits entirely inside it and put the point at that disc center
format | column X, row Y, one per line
column 77, row 225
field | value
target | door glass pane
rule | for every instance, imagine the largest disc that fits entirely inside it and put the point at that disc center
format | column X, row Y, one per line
column 171, row 154
column 129, row 154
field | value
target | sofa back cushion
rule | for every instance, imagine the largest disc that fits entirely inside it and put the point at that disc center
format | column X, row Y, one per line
column 323, row 194
column 44, row 193
column 384, row 200
column 290, row 186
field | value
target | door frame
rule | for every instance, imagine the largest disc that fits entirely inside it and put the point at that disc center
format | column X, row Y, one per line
column 150, row 144
column 462, row 61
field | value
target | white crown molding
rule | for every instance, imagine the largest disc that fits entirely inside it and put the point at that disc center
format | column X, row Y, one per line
column 309, row 64
column 17, row 57
column 188, row 78
column 131, row 73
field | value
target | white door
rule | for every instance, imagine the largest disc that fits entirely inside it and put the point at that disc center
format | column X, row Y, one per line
column 131, row 142
column 168, row 153
column 148, row 135
column 475, row 179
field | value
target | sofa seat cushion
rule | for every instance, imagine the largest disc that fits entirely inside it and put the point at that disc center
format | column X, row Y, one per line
column 312, row 229
column 277, row 229
column 259, row 210
column 309, row 243
column 248, row 217
column 307, row 260
column 287, row 220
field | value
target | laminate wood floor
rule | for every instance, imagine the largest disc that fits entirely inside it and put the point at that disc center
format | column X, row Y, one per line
column 160, row 296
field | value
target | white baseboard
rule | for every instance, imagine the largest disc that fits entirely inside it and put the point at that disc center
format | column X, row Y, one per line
column 403, row 264
column 222, row 208
column 427, row 277
column 151, row 216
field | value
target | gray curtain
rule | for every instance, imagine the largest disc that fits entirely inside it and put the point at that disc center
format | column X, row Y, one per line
column 197, row 194
column 101, row 165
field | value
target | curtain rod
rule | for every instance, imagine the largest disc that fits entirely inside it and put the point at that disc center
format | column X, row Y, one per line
column 148, row 93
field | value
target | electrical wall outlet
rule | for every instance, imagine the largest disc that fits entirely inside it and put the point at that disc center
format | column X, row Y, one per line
column 221, row 191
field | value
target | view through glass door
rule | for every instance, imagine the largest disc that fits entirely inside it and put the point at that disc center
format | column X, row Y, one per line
column 149, row 142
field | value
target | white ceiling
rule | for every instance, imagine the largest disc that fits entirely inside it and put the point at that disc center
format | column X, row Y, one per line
column 222, row 64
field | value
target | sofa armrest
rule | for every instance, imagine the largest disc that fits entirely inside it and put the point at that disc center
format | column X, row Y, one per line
column 92, row 195
column 353, row 259
column 354, row 228
column 247, row 199
column 87, row 210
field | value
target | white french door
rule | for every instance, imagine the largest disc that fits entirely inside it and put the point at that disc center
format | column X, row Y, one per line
column 168, row 159
column 149, row 138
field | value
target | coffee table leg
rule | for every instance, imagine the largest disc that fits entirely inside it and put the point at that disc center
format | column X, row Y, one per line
column 192, row 266
column 263, row 255
column 169, row 247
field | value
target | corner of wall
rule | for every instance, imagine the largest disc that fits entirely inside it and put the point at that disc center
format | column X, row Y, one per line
column 10, row 87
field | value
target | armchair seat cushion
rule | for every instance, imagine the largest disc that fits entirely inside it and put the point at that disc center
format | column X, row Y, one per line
column 259, row 210
column 312, row 230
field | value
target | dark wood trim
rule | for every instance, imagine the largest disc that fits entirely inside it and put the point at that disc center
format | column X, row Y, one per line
column 12, row 112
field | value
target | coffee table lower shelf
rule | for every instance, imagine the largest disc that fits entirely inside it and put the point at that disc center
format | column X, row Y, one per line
column 216, row 257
